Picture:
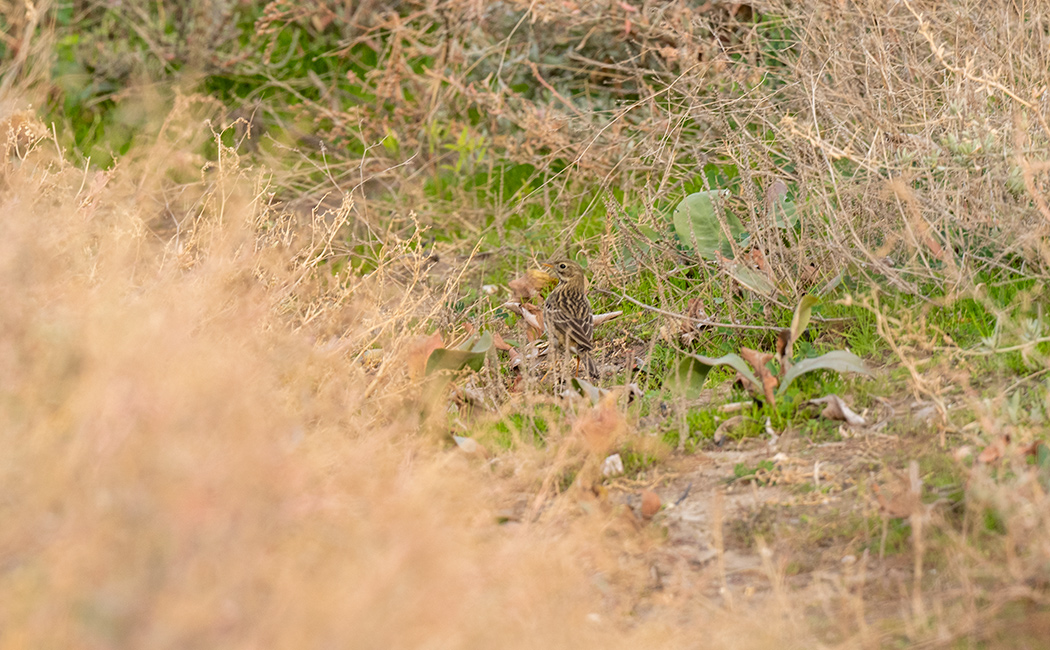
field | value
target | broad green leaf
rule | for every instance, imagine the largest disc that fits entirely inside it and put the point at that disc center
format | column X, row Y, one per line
column 751, row 279
column 831, row 285
column 697, row 225
column 837, row 360
column 1042, row 456
column 785, row 215
column 589, row 390
column 471, row 354
column 687, row 378
column 800, row 321
column 734, row 361
column 651, row 233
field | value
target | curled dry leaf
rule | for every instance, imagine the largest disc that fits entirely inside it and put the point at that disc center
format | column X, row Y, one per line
column 606, row 317
column 758, row 361
column 757, row 259
column 650, row 504
column 512, row 352
column 894, row 505
column 723, row 429
column 808, row 275
column 669, row 53
column 695, row 309
column 784, row 350
column 529, row 285
column 775, row 193
column 837, row 409
column 992, row 452
column 499, row 343
column 531, row 314
column 419, row 350
column 1032, row 449
column 694, row 312
column 741, row 380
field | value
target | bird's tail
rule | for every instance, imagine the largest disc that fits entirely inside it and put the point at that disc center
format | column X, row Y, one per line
column 588, row 363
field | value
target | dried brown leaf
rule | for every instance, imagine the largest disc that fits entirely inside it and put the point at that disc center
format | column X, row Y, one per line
column 529, row 285
column 512, row 352
column 991, row 453
column 499, row 343
column 837, row 409
column 783, row 350
column 774, row 193
column 1032, row 449
column 419, row 350
column 606, row 317
column 533, row 316
column 758, row 360
column 723, row 429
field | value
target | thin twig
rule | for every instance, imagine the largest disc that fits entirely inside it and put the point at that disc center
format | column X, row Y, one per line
column 1017, row 384
column 991, row 351
column 688, row 318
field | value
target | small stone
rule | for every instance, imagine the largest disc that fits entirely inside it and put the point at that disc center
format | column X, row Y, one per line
column 650, row 504
column 612, row 466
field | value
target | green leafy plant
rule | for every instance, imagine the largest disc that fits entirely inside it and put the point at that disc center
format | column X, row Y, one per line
column 689, row 375
column 469, row 354
column 699, row 227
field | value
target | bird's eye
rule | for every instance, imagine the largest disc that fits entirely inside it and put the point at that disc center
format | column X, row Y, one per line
column 562, row 266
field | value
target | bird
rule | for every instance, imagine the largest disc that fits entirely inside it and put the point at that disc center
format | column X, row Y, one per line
column 567, row 315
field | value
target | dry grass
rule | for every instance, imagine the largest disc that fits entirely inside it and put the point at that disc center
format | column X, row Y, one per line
column 190, row 461
column 211, row 432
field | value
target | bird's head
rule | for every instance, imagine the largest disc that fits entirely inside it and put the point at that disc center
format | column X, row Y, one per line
column 566, row 270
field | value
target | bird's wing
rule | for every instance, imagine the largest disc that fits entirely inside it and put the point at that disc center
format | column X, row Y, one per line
column 572, row 314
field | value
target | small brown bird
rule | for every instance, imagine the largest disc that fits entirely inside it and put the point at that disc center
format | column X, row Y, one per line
column 567, row 314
